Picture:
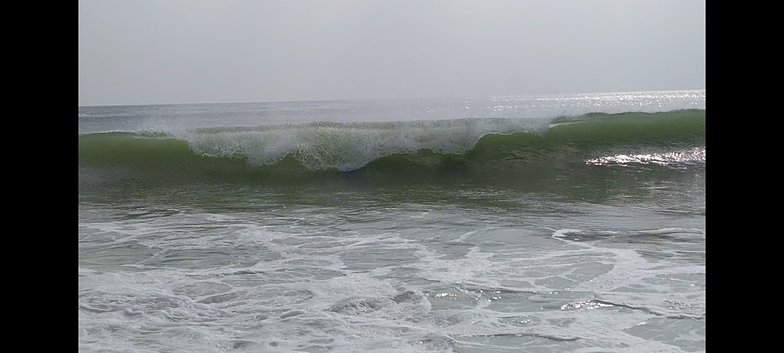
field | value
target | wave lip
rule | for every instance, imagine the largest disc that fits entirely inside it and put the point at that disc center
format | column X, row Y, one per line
column 349, row 146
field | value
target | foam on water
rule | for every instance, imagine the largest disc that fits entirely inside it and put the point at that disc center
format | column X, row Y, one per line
column 593, row 259
column 505, row 288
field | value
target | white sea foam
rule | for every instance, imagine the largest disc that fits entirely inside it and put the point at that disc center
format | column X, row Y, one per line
column 409, row 269
column 350, row 146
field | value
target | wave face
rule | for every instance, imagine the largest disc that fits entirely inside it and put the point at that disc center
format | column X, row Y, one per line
column 477, row 149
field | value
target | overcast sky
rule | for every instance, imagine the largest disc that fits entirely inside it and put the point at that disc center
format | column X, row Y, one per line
column 200, row 51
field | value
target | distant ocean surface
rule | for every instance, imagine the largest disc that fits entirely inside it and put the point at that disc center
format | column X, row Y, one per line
column 563, row 223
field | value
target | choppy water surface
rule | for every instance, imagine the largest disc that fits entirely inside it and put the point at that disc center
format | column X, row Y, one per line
column 552, row 242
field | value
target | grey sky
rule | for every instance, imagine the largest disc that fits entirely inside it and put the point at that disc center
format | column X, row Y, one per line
column 198, row 51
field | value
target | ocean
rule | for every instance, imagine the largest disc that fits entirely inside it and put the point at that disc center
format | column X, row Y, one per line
column 553, row 223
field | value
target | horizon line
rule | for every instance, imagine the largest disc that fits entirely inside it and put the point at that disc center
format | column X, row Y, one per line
column 384, row 99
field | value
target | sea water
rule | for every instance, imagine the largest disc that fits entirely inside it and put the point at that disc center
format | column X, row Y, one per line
column 569, row 223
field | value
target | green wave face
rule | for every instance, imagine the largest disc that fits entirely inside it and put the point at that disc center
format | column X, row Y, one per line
column 523, row 154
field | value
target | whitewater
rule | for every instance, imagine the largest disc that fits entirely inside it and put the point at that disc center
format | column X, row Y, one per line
column 559, row 223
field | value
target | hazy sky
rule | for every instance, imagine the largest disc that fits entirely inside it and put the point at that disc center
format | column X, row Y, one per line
column 199, row 51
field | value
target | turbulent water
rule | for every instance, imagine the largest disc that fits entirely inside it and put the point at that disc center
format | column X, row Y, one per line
column 571, row 223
